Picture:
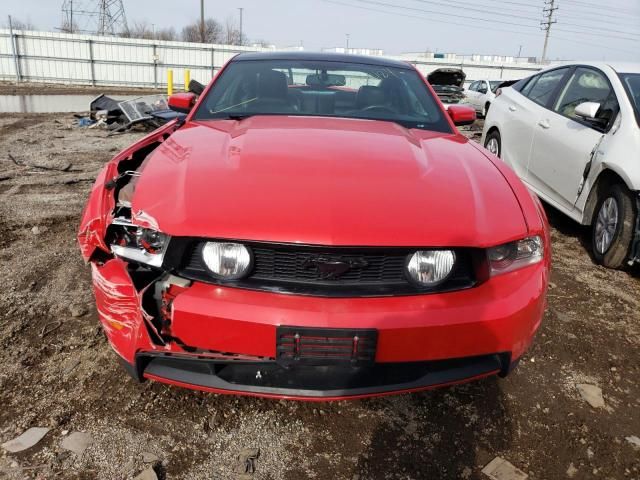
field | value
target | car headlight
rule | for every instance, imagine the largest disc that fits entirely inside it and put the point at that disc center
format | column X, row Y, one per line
column 227, row 261
column 141, row 245
column 428, row 268
column 513, row 255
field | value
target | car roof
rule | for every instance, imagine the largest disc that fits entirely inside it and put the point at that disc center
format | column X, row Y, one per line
column 618, row 67
column 321, row 57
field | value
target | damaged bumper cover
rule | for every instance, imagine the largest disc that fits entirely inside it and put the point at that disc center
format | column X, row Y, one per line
column 227, row 340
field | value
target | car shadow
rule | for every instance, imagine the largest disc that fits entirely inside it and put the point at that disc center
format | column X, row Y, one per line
column 442, row 434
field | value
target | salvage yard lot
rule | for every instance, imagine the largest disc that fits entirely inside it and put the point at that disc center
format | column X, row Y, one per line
column 57, row 370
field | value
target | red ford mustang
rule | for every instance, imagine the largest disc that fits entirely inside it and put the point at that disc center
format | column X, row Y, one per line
column 315, row 228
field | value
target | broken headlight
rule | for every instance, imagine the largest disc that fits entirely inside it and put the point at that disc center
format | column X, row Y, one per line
column 141, row 245
column 513, row 255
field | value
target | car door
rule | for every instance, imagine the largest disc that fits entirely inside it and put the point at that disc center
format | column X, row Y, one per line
column 522, row 109
column 471, row 94
column 564, row 143
column 483, row 89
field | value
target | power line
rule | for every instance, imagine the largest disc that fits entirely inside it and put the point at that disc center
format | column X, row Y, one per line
column 472, row 26
column 478, row 19
column 598, row 6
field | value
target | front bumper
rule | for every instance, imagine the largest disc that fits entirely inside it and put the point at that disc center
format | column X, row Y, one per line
column 224, row 339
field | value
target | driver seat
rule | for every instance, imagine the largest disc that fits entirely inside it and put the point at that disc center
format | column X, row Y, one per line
column 369, row 96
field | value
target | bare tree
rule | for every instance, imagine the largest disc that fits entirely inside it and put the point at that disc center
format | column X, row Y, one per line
column 212, row 32
column 232, row 33
column 139, row 30
column 66, row 27
column 18, row 24
column 168, row 34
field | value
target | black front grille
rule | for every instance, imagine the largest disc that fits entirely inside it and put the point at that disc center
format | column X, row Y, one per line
column 288, row 268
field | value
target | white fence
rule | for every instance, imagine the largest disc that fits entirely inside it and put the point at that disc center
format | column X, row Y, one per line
column 93, row 60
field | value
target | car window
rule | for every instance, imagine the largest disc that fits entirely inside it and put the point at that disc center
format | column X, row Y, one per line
column 541, row 89
column 587, row 85
column 323, row 88
column 631, row 83
column 473, row 86
column 494, row 85
column 482, row 86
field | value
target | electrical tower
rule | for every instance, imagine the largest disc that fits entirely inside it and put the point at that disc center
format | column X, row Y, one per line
column 547, row 20
column 99, row 17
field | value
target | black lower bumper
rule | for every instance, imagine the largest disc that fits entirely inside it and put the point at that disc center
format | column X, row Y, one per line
column 271, row 378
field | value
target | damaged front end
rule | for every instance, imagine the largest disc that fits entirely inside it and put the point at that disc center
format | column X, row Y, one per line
column 126, row 251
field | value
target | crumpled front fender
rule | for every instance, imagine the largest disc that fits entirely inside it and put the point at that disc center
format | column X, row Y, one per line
column 98, row 212
column 119, row 307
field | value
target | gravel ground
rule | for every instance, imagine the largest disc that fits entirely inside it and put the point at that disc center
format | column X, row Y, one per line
column 57, row 371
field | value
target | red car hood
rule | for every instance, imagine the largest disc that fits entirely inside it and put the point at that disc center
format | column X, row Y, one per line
column 326, row 181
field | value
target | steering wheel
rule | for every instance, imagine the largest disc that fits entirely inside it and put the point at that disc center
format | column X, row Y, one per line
column 379, row 109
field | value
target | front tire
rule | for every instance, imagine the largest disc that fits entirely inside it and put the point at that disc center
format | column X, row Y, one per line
column 493, row 143
column 613, row 227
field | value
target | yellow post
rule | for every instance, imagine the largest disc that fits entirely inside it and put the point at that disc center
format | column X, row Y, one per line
column 169, row 82
column 187, row 79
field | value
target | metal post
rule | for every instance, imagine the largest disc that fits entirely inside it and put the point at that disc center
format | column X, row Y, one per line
column 202, row 21
column 169, row 82
column 213, row 70
column 548, row 12
column 91, row 63
column 155, row 66
column 14, row 51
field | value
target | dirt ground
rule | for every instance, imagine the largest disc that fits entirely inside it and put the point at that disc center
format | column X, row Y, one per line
column 57, row 371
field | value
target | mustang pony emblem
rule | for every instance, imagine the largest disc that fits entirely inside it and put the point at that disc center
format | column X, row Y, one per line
column 332, row 268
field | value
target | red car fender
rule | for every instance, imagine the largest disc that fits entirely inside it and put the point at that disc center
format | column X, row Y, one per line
column 97, row 213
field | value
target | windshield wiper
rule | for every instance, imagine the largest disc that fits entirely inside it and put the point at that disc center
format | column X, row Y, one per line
column 238, row 116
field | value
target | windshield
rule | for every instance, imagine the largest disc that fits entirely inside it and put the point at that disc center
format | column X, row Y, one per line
column 494, row 84
column 631, row 83
column 323, row 88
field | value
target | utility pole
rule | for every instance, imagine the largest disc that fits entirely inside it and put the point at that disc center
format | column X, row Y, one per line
column 70, row 16
column 201, row 21
column 241, row 9
column 546, row 23
column 519, row 51
column 347, row 49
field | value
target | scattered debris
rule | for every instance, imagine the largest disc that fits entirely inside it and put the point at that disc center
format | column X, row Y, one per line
column 149, row 457
column 27, row 440
column 633, row 440
column 50, row 328
column 147, row 474
column 77, row 310
column 591, row 394
column 63, row 167
column 77, row 442
column 246, row 461
column 150, row 111
column 500, row 469
column 571, row 471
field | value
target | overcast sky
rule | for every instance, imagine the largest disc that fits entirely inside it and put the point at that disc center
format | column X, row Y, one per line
column 583, row 29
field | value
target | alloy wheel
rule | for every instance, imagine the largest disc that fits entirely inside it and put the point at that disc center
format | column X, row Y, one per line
column 493, row 146
column 606, row 225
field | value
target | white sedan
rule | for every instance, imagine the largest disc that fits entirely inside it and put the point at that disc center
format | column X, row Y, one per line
column 572, row 134
column 481, row 94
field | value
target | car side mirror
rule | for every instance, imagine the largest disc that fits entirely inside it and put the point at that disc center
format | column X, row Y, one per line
column 182, row 102
column 462, row 115
column 587, row 110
